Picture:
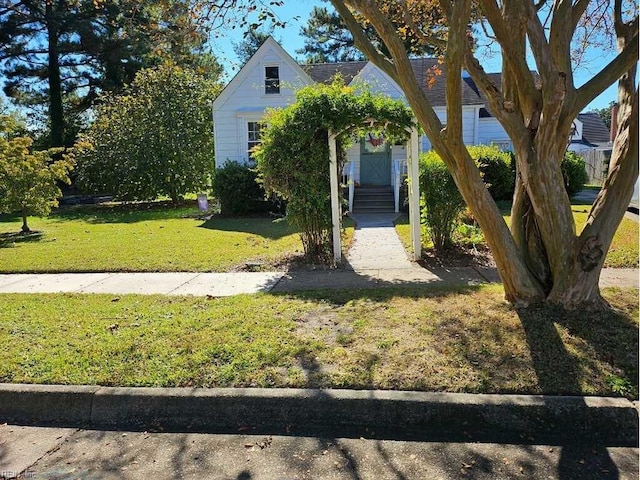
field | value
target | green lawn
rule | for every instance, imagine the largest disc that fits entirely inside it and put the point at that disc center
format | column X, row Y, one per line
column 622, row 254
column 139, row 238
column 461, row 340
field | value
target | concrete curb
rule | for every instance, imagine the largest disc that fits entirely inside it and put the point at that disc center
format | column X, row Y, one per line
column 612, row 420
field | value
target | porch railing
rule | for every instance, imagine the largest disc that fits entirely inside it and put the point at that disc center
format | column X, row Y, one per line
column 348, row 178
column 352, row 184
column 399, row 172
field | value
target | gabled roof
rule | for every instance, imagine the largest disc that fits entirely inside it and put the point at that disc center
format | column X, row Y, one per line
column 253, row 62
column 429, row 72
column 594, row 131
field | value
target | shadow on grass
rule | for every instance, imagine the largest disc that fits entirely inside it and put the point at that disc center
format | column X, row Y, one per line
column 9, row 239
column 262, row 226
column 342, row 296
column 125, row 212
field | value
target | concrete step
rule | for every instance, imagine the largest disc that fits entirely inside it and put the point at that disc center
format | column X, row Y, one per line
column 361, row 209
column 373, row 200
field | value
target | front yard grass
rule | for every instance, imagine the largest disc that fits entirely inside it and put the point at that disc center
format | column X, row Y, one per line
column 457, row 340
column 623, row 252
column 143, row 238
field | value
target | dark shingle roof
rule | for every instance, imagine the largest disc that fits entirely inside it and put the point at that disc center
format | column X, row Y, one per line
column 429, row 72
column 324, row 72
column 594, row 131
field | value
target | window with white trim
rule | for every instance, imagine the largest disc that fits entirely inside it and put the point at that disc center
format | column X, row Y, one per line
column 253, row 137
column 271, row 79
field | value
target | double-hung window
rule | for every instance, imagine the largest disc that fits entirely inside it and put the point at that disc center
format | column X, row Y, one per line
column 253, row 137
column 271, row 80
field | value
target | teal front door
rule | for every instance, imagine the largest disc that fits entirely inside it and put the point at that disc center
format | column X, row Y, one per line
column 375, row 162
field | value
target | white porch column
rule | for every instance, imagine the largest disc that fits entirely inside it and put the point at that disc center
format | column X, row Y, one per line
column 414, row 193
column 335, row 199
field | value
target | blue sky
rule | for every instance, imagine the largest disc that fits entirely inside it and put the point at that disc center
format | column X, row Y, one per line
column 296, row 13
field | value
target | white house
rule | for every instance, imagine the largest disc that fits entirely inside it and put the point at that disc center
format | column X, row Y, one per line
column 271, row 76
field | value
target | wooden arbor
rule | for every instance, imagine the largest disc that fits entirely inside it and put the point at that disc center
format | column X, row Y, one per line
column 414, row 191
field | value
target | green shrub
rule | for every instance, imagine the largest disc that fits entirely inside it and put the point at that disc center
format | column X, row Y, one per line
column 236, row 188
column 442, row 202
column 495, row 168
column 574, row 173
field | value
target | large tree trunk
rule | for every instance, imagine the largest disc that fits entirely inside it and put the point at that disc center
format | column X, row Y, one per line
column 580, row 285
column 56, row 113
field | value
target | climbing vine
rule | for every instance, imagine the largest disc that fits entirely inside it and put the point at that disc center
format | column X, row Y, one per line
column 293, row 159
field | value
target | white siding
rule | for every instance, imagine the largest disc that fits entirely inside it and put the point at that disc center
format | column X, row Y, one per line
column 490, row 131
column 468, row 125
column 378, row 81
column 244, row 100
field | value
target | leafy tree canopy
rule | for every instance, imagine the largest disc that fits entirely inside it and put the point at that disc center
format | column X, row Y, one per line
column 28, row 179
column 58, row 56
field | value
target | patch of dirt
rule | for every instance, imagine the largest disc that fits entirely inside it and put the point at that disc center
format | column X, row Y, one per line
column 323, row 324
column 459, row 256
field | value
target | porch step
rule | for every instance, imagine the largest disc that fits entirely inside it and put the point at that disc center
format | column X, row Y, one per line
column 373, row 200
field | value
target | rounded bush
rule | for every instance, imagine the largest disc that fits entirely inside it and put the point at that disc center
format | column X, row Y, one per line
column 442, row 202
column 495, row 168
column 574, row 173
column 237, row 190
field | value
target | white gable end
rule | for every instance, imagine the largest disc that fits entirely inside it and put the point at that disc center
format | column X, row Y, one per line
column 268, row 80
column 379, row 81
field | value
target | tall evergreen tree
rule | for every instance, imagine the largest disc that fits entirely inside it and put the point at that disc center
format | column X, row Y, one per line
column 254, row 37
column 327, row 39
column 59, row 54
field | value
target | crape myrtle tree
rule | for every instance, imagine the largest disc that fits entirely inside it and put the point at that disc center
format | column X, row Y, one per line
column 541, row 257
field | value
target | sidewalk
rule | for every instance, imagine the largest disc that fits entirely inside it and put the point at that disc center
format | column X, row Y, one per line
column 227, row 284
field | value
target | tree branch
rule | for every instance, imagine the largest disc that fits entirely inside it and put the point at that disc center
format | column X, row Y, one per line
column 538, row 43
column 608, row 75
column 458, row 13
column 578, row 11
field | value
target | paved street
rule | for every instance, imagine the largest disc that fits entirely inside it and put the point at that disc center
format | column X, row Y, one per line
column 71, row 454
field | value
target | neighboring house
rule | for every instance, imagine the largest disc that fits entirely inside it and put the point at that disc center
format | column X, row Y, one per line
column 591, row 139
column 271, row 76
column 590, row 133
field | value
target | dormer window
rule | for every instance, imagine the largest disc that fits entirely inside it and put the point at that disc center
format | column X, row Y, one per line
column 271, row 80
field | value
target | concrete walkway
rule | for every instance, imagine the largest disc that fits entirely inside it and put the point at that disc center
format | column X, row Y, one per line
column 376, row 259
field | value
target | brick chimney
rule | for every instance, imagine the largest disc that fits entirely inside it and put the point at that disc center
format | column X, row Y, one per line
column 614, row 122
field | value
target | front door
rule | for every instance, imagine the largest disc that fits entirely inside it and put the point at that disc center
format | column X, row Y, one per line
column 375, row 161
